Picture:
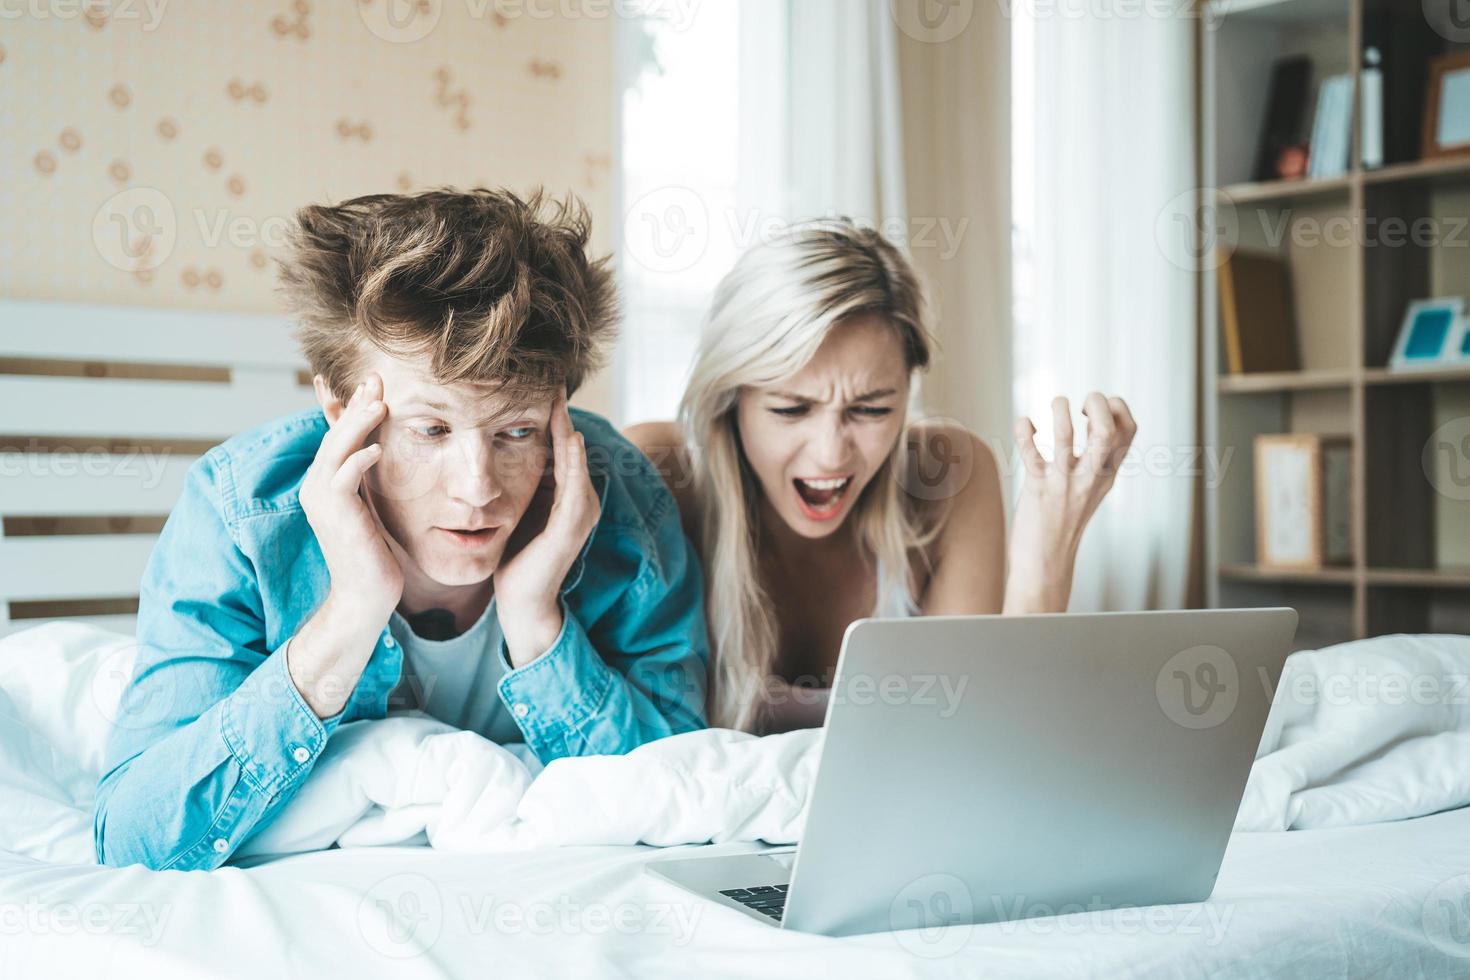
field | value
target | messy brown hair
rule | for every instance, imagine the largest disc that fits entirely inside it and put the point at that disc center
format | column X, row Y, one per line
column 496, row 290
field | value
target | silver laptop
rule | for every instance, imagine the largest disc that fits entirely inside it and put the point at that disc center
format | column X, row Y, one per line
column 991, row 768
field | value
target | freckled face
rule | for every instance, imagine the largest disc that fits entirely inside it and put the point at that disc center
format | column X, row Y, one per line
column 816, row 439
column 458, row 472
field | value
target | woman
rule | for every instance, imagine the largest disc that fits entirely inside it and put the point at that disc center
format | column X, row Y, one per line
column 814, row 501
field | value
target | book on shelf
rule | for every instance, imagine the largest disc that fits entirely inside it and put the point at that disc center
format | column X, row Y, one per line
column 1286, row 105
column 1257, row 322
column 1371, row 99
column 1405, row 45
column 1331, row 128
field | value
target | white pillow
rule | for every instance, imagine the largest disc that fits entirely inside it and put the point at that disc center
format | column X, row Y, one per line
column 60, row 684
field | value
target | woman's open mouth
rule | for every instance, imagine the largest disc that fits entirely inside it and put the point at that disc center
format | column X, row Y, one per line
column 820, row 499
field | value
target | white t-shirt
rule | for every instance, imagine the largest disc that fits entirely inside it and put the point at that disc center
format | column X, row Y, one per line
column 456, row 680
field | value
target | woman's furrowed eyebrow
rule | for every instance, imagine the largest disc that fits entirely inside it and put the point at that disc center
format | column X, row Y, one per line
column 870, row 396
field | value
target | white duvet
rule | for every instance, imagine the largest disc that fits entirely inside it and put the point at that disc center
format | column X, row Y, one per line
column 1359, row 733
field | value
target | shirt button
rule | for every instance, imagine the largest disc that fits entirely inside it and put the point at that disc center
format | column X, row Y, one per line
column 520, row 711
column 221, row 845
column 300, row 754
column 389, row 642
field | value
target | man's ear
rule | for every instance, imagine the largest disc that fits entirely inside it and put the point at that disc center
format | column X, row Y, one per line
column 330, row 403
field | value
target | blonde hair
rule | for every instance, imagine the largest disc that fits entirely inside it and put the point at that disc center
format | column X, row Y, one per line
column 769, row 315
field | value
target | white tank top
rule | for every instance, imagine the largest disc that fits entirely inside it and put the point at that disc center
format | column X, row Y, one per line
column 455, row 680
column 894, row 601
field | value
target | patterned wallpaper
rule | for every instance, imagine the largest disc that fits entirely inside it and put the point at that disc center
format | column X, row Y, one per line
column 153, row 151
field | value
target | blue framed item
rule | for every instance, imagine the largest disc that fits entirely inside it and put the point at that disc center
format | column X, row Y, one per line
column 1432, row 335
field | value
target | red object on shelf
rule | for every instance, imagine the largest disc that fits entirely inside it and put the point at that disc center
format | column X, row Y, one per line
column 1291, row 162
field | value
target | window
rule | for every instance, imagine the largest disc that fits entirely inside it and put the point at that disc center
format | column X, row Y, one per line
column 702, row 164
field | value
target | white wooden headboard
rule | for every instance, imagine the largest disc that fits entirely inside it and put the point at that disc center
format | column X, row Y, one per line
column 102, row 409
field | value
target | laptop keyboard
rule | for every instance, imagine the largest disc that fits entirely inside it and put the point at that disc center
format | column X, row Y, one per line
column 768, row 900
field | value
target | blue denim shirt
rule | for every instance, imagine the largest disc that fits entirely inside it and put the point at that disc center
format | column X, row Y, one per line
column 212, row 737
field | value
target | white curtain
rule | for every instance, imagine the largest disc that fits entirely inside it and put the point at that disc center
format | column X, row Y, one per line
column 844, row 131
column 755, row 115
column 776, row 111
column 1102, row 139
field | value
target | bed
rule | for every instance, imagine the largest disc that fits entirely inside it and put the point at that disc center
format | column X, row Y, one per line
column 102, row 409
column 1371, row 879
column 1356, row 902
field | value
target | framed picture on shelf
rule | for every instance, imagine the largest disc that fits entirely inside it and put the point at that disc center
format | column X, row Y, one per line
column 1303, row 514
column 1432, row 335
column 1447, row 107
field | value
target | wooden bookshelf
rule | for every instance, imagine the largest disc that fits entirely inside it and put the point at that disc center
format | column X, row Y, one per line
column 1410, row 514
column 1437, row 578
column 1442, row 578
column 1447, row 171
column 1444, row 375
column 1282, row 381
column 1255, row 573
column 1285, row 190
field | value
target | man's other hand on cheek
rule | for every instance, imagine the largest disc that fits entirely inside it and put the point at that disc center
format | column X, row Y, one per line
column 527, row 583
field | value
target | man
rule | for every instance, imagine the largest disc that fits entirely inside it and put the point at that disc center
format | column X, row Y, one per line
column 443, row 534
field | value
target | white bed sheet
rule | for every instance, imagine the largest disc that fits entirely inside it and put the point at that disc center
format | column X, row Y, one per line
column 1384, row 900
column 1350, row 892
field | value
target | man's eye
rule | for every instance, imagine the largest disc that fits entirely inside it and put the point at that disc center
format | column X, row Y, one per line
column 520, row 433
column 791, row 411
column 872, row 411
column 430, row 431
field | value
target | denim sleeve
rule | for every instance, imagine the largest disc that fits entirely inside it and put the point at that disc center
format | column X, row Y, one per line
column 636, row 674
column 210, row 737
